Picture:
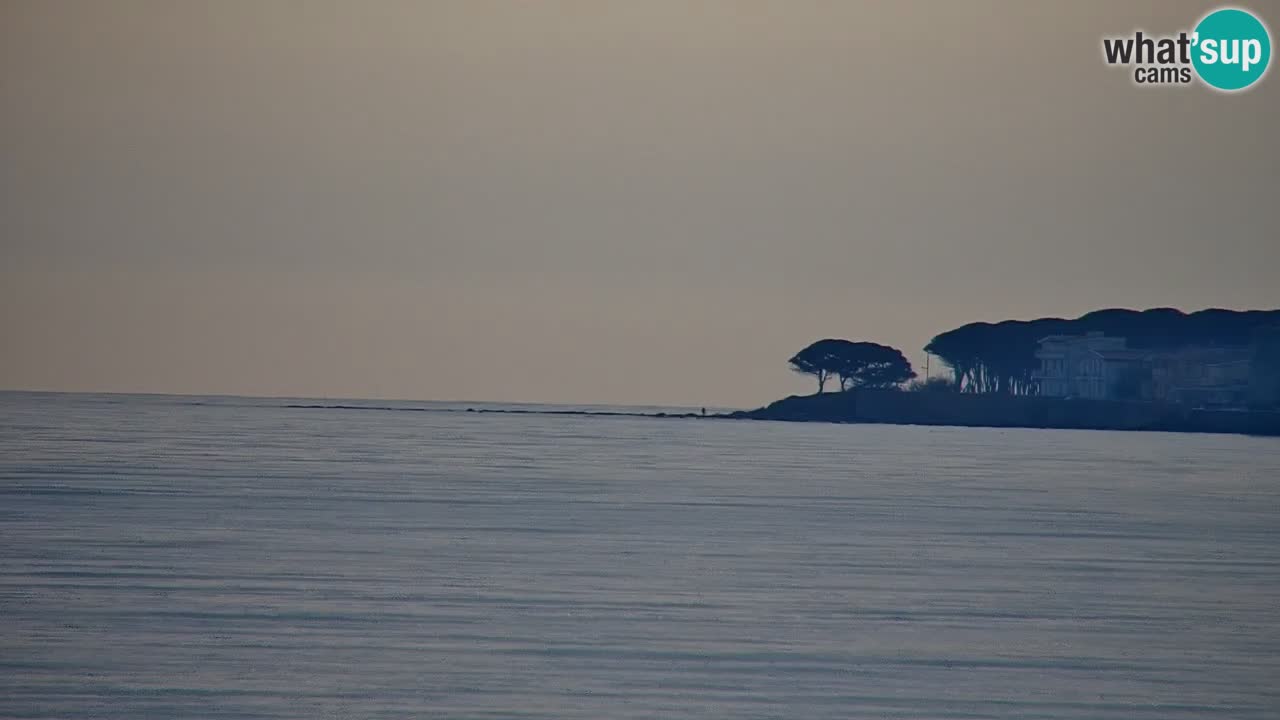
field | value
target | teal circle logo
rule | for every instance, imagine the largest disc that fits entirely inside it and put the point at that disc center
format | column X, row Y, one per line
column 1231, row 49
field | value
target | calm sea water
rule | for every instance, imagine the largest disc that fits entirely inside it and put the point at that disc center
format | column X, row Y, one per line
column 166, row 557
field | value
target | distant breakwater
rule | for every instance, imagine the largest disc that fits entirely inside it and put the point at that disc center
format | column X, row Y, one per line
column 506, row 411
column 895, row 407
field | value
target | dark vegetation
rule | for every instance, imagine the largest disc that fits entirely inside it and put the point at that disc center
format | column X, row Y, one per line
column 1000, row 357
column 992, row 381
column 933, row 384
column 853, row 364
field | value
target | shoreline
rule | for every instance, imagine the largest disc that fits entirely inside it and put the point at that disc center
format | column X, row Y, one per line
column 896, row 407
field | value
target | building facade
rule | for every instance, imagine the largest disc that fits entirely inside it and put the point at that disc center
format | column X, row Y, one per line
column 1083, row 366
column 1098, row 367
column 1207, row 377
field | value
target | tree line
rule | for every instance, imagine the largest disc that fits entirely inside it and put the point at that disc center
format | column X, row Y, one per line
column 1001, row 357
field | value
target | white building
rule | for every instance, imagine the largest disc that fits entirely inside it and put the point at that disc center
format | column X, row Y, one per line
column 1202, row 376
column 1084, row 366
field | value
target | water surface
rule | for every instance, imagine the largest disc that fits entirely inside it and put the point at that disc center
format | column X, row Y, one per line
column 220, row 557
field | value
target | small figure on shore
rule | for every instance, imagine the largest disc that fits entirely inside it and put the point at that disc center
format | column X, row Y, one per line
column 704, row 412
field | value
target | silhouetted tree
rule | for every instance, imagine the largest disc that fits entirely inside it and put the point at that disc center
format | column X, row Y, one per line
column 871, row 365
column 818, row 360
column 855, row 364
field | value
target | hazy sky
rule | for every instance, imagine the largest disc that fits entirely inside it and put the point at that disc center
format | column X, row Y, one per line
column 647, row 202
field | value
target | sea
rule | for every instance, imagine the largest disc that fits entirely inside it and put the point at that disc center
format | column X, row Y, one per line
column 221, row 557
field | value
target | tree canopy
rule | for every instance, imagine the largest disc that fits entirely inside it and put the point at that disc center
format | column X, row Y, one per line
column 1000, row 357
column 854, row 364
